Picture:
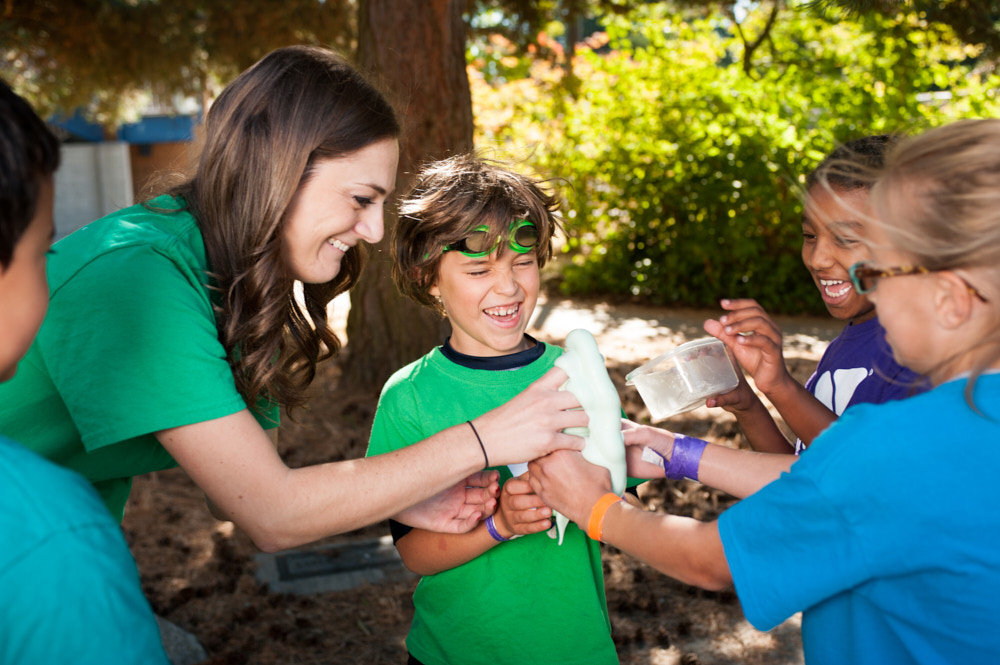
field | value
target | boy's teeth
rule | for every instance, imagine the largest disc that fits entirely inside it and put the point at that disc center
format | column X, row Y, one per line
column 830, row 287
column 503, row 311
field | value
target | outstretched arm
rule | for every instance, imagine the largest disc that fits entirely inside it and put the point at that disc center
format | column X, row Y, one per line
column 737, row 472
column 684, row 548
column 232, row 460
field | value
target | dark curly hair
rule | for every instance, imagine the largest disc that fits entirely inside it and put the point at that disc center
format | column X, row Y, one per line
column 853, row 165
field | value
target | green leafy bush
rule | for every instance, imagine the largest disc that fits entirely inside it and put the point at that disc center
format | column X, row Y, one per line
column 684, row 167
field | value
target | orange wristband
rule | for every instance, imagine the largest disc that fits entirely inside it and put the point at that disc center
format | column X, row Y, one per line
column 595, row 526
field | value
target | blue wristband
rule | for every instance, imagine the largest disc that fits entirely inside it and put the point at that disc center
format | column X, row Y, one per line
column 685, row 458
column 492, row 528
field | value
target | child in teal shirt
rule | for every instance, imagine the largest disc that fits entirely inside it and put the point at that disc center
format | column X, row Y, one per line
column 69, row 585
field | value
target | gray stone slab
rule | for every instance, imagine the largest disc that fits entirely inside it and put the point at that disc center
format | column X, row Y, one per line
column 334, row 567
column 182, row 647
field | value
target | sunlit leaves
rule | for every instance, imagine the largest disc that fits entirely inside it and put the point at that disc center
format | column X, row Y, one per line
column 103, row 56
column 685, row 171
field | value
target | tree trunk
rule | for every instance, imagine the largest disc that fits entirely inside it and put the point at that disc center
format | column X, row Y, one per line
column 415, row 49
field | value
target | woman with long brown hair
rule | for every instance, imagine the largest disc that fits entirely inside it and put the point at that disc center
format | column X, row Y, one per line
column 174, row 333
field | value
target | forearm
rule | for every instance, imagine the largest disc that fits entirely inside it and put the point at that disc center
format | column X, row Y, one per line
column 761, row 431
column 429, row 553
column 237, row 467
column 804, row 414
column 740, row 472
column 683, row 548
column 322, row 500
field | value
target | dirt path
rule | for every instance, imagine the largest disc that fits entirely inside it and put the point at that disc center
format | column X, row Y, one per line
column 199, row 573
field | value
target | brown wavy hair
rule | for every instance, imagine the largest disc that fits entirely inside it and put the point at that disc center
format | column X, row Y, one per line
column 451, row 197
column 263, row 138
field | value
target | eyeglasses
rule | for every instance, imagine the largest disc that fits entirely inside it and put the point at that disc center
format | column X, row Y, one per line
column 522, row 233
column 865, row 276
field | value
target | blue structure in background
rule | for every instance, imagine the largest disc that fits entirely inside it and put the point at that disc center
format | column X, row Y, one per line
column 151, row 129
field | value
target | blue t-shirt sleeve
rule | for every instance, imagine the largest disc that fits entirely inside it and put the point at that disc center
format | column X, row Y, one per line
column 792, row 545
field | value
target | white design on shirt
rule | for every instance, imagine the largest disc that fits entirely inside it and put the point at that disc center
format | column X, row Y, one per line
column 836, row 391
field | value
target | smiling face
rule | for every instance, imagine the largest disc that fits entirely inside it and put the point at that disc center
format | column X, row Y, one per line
column 833, row 232
column 488, row 300
column 24, row 288
column 340, row 205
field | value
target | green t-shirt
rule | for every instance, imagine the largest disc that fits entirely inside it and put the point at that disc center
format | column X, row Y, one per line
column 529, row 600
column 129, row 347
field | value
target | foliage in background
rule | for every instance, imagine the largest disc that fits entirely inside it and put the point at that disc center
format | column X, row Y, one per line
column 684, row 164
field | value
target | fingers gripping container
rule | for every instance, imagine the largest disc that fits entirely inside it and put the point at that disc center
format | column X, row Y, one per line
column 682, row 379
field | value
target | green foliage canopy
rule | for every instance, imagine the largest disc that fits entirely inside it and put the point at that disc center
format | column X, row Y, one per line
column 686, row 164
column 106, row 57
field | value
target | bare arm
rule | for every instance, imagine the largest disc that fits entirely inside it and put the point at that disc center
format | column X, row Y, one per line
column 754, row 419
column 805, row 414
column 684, row 548
column 738, row 472
column 234, row 462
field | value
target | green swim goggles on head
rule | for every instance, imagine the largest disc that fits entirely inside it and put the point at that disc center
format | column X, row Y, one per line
column 523, row 238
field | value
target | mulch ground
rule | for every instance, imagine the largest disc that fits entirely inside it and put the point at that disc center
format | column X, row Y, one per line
column 199, row 573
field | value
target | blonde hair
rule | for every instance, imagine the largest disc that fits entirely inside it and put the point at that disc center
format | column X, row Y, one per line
column 938, row 200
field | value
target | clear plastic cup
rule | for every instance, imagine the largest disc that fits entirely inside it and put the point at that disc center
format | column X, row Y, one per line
column 682, row 379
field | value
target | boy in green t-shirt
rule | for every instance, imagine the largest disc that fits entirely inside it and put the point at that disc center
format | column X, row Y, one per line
column 470, row 241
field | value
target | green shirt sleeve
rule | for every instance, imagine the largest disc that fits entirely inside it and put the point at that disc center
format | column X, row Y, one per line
column 131, row 346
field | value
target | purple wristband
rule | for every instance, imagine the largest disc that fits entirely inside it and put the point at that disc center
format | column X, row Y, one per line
column 685, row 458
column 492, row 528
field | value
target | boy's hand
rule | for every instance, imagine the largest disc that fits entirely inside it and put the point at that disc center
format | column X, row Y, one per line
column 739, row 400
column 754, row 340
column 457, row 509
column 521, row 511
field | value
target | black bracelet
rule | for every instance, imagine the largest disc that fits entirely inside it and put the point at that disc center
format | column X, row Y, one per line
column 485, row 457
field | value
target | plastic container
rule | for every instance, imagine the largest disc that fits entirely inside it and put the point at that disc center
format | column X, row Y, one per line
column 682, row 379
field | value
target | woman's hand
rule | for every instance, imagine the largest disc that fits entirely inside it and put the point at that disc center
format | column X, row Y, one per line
column 457, row 509
column 521, row 511
column 567, row 482
column 531, row 424
column 754, row 340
